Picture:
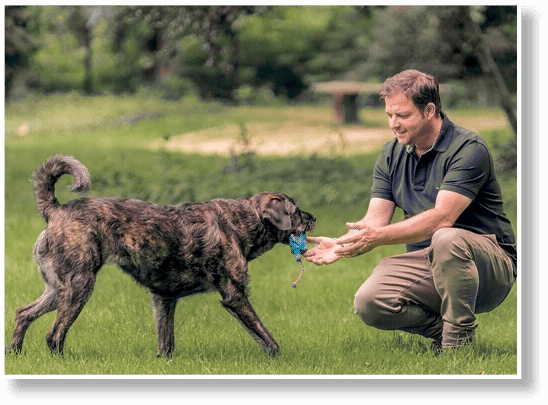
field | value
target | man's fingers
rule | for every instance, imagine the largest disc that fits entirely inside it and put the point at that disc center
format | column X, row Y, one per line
column 343, row 251
column 348, row 239
column 313, row 239
column 313, row 259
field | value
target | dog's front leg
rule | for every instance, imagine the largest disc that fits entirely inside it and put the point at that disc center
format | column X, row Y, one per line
column 164, row 316
column 240, row 308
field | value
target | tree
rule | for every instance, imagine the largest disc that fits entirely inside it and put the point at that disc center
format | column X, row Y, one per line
column 343, row 46
column 82, row 21
column 488, row 65
column 65, row 37
column 278, row 44
column 19, row 45
column 437, row 39
column 162, row 28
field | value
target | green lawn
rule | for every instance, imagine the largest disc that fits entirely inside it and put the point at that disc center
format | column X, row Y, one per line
column 315, row 325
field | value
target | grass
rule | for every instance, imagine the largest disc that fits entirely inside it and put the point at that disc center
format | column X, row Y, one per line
column 314, row 324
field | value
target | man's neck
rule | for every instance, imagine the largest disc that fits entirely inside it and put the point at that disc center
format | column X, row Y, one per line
column 430, row 140
column 433, row 133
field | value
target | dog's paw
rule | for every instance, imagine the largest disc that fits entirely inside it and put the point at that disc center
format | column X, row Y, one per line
column 273, row 351
column 13, row 349
column 167, row 354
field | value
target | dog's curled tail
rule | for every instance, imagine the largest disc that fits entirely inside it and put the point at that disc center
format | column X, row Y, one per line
column 49, row 172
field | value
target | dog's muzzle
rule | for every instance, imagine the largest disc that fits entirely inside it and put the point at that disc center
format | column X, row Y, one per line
column 308, row 223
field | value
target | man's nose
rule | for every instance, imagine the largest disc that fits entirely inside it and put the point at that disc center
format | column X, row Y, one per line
column 393, row 122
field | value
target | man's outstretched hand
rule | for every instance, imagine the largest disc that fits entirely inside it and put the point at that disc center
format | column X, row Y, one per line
column 323, row 252
column 328, row 250
column 360, row 239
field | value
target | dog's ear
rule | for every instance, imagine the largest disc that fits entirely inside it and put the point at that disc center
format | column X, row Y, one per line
column 279, row 211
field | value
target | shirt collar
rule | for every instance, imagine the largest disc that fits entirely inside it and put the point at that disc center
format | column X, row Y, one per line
column 446, row 134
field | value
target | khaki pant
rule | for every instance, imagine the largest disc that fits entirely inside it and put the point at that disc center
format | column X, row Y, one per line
column 436, row 292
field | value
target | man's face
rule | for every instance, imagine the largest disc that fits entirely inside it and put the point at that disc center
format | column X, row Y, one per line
column 409, row 124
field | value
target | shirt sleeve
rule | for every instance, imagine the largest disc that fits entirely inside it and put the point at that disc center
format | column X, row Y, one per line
column 382, row 185
column 469, row 170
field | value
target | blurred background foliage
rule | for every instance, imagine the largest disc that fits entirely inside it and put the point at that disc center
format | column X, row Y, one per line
column 239, row 53
column 262, row 55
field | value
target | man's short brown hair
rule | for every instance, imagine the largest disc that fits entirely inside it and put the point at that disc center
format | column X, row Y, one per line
column 421, row 88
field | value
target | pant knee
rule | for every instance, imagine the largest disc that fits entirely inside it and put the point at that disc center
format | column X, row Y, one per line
column 446, row 237
column 367, row 308
column 448, row 244
column 373, row 306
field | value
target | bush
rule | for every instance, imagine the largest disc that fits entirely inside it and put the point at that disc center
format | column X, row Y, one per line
column 174, row 87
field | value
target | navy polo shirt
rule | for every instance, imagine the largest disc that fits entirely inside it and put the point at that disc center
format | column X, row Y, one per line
column 459, row 161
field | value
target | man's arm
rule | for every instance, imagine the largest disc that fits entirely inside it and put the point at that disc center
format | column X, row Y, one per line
column 379, row 213
column 449, row 206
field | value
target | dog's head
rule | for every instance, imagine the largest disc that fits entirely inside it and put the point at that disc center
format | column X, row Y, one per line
column 284, row 214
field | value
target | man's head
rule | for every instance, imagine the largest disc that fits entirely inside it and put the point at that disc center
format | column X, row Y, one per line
column 413, row 107
column 419, row 87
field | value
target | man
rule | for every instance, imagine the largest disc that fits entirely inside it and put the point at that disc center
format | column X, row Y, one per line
column 461, row 253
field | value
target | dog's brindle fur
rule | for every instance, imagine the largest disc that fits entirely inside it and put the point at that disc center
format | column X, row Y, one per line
column 174, row 251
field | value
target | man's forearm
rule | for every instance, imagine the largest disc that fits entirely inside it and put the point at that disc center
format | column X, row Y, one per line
column 414, row 229
column 449, row 206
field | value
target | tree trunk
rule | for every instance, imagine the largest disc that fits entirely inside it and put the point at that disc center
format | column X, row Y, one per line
column 88, row 68
column 490, row 68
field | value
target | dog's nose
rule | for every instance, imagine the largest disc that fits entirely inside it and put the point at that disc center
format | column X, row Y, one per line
column 310, row 221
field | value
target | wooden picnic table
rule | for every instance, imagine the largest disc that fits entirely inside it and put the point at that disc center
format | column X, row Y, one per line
column 345, row 97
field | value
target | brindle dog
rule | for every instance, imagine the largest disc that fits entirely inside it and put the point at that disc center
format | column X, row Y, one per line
column 174, row 251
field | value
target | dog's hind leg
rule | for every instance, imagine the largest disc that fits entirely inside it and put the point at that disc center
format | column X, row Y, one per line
column 71, row 299
column 27, row 314
column 240, row 308
column 164, row 316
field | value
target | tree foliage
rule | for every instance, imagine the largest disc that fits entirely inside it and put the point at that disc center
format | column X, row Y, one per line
column 19, row 45
column 229, row 52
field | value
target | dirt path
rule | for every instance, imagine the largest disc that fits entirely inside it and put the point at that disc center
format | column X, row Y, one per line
column 295, row 137
column 281, row 139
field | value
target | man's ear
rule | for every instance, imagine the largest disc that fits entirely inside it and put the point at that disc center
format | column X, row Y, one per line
column 430, row 110
column 278, row 211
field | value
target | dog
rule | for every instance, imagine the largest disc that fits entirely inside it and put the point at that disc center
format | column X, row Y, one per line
column 174, row 251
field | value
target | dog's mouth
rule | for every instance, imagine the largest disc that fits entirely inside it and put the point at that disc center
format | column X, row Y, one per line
column 301, row 232
column 298, row 244
column 307, row 224
column 304, row 228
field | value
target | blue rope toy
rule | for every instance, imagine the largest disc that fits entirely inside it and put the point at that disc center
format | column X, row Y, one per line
column 298, row 247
